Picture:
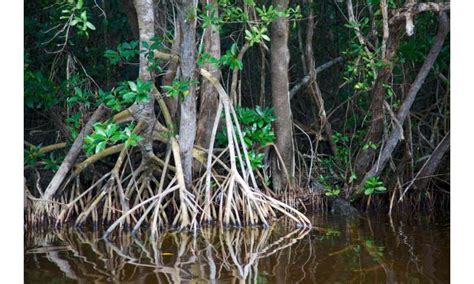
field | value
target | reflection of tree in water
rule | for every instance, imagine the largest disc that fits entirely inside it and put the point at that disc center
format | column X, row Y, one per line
column 381, row 250
column 376, row 250
column 214, row 253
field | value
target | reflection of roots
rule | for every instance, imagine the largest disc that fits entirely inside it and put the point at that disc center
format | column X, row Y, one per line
column 171, row 256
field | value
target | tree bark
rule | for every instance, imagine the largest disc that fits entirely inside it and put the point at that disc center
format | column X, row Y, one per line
column 145, row 110
column 429, row 168
column 314, row 87
column 187, row 129
column 280, row 58
column 404, row 110
column 170, row 74
column 209, row 98
column 374, row 135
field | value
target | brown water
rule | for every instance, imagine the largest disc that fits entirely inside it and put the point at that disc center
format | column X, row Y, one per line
column 414, row 249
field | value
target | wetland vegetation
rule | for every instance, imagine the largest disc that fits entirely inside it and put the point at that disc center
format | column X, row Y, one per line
column 259, row 141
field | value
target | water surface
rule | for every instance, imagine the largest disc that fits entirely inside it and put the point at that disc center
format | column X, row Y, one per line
column 413, row 249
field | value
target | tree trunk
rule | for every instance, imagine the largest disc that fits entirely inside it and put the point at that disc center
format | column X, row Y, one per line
column 374, row 135
column 187, row 129
column 145, row 110
column 280, row 58
column 170, row 74
column 209, row 98
column 314, row 87
column 404, row 110
column 430, row 167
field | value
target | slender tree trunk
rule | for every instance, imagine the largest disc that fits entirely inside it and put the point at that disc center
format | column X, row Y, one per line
column 280, row 58
column 187, row 129
column 145, row 110
column 404, row 110
column 170, row 74
column 366, row 156
column 314, row 87
column 430, row 167
column 209, row 97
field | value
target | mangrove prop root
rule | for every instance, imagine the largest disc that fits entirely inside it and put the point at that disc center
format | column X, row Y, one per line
column 133, row 197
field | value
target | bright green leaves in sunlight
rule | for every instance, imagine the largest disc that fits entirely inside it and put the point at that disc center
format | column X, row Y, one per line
column 109, row 133
column 256, row 125
column 126, row 93
column 270, row 14
column 137, row 92
column 374, row 185
column 256, row 35
column 232, row 13
column 329, row 189
column 256, row 159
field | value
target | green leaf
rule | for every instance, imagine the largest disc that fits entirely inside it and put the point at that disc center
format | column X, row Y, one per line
column 111, row 129
column 79, row 4
column 100, row 147
column 100, row 131
column 90, row 26
column 248, row 34
column 132, row 85
column 380, row 188
column 130, row 96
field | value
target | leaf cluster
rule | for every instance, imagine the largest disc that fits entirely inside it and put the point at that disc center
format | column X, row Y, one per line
column 77, row 12
column 109, row 133
column 374, row 185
